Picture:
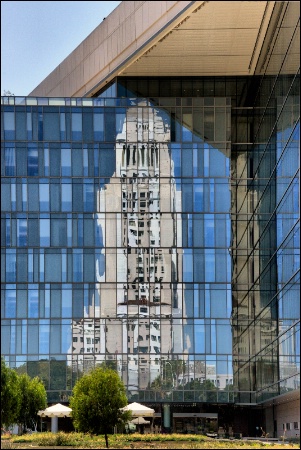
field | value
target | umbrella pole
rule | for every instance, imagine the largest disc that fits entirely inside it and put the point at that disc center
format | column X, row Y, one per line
column 54, row 424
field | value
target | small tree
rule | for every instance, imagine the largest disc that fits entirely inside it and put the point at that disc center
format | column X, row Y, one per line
column 33, row 398
column 96, row 401
column 10, row 395
column 8, row 93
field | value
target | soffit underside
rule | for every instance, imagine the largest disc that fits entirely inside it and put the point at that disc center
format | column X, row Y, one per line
column 219, row 38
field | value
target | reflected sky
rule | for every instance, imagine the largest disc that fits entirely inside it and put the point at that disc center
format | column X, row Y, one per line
column 131, row 244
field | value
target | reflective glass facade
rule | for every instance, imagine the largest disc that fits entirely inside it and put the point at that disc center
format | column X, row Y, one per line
column 117, row 244
column 156, row 231
column 126, row 233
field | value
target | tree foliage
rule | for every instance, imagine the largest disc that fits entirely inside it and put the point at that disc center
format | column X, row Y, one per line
column 10, row 395
column 55, row 374
column 8, row 93
column 33, row 399
column 21, row 398
column 96, row 401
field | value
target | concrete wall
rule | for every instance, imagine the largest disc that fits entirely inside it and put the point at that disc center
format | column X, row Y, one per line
column 284, row 413
column 122, row 37
column 288, row 413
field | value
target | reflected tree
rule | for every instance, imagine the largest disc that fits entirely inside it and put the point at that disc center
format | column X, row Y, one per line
column 109, row 364
column 159, row 387
column 55, row 374
column 204, row 391
column 7, row 93
column 172, row 370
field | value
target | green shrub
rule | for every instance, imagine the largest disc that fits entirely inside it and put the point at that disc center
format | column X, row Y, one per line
column 23, row 438
column 61, row 439
column 66, row 439
column 53, row 439
column 84, row 440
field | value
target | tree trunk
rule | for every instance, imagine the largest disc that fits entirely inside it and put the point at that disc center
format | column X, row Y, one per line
column 107, row 442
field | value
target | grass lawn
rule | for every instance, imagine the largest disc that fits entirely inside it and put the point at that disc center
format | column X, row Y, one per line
column 132, row 441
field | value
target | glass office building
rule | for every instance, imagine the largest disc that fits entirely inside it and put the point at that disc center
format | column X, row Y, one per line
column 154, row 227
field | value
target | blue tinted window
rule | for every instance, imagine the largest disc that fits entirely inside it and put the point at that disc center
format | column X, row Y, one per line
column 98, row 122
column 44, row 197
column 21, row 126
column 10, row 161
column 209, row 265
column 67, row 303
column 51, row 126
column 11, row 265
column 217, row 166
column 187, row 197
column 110, row 125
column 77, row 265
column 53, row 266
column 198, row 196
column 222, row 196
column 199, row 331
column 44, row 335
column 187, row 162
column 77, row 161
column 32, row 161
column 224, row 339
column 198, row 265
column 209, row 228
column 76, row 126
column 66, row 161
column 107, row 161
column 33, row 302
column 10, row 303
column 187, row 266
column 22, row 232
column 9, row 125
column 66, row 196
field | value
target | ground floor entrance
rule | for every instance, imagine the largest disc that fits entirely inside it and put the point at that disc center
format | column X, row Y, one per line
column 196, row 423
column 207, row 418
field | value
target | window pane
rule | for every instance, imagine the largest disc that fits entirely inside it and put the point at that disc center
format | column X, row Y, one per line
column 53, row 267
column 10, row 161
column 76, row 125
column 66, row 161
column 9, row 125
column 51, row 126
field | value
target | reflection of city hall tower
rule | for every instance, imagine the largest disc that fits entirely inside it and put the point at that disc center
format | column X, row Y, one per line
column 144, row 264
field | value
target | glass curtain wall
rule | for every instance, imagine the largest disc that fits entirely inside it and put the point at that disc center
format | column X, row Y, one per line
column 266, row 276
column 157, row 235
column 116, row 220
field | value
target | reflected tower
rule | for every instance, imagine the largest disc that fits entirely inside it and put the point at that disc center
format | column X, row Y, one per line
column 140, row 250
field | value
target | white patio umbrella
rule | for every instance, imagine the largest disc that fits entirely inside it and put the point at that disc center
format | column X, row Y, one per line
column 139, row 410
column 55, row 411
column 140, row 421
